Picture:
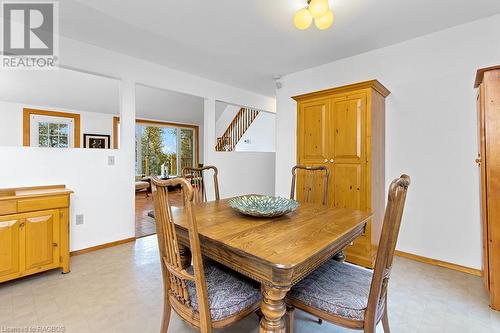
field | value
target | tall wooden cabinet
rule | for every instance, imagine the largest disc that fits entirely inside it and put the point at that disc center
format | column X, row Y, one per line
column 34, row 230
column 344, row 129
column 488, row 109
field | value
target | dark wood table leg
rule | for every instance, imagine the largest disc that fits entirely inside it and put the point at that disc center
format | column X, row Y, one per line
column 273, row 308
column 339, row 256
column 185, row 254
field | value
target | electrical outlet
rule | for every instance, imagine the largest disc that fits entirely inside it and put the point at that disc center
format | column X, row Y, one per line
column 111, row 160
column 79, row 219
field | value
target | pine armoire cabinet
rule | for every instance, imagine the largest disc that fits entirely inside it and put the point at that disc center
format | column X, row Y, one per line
column 344, row 129
column 34, row 230
column 488, row 110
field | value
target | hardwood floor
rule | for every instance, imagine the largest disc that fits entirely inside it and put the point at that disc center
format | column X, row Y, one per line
column 144, row 224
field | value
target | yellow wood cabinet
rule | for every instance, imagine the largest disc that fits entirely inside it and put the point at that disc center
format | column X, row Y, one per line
column 344, row 129
column 34, row 230
column 488, row 160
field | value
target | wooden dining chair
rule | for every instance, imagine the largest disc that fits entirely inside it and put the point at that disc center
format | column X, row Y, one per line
column 305, row 180
column 348, row 295
column 205, row 294
column 197, row 178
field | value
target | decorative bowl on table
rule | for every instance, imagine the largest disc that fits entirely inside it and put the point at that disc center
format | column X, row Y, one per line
column 263, row 205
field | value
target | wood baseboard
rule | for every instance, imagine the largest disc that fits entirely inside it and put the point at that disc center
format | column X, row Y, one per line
column 102, row 246
column 439, row 263
column 358, row 260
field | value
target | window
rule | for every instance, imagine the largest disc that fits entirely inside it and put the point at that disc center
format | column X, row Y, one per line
column 51, row 129
column 53, row 132
column 164, row 150
column 186, row 147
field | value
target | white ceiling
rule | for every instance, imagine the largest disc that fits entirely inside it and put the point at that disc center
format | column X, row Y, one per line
column 166, row 105
column 73, row 90
column 245, row 43
column 61, row 88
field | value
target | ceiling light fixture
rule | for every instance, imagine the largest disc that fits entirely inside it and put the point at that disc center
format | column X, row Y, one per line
column 317, row 10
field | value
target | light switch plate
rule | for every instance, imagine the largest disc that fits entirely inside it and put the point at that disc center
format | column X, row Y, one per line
column 79, row 219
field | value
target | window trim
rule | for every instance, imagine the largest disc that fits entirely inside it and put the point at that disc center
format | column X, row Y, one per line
column 196, row 128
column 27, row 113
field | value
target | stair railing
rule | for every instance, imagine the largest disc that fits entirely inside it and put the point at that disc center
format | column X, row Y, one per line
column 236, row 129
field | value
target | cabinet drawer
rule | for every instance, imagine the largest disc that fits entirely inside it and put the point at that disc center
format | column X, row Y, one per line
column 28, row 205
column 8, row 207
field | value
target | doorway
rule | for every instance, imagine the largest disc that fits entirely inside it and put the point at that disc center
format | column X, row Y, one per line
column 167, row 139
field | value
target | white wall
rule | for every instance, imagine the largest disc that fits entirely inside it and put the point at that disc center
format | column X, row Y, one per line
column 224, row 117
column 245, row 173
column 431, row 131
column 11, row 124
column 61, row 88
column 167, row 105
column 98, row 187
column 261, row 134
column 106, row 194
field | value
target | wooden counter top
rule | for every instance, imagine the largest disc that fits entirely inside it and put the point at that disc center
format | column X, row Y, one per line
column 33, row 191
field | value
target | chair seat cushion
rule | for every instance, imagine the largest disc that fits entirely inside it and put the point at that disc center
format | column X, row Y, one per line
column 336, row 288
column 229, row 292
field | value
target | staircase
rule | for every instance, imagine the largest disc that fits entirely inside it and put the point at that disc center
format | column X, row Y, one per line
column 234, row 132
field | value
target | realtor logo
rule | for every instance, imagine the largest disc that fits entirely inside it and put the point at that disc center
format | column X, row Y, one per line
column 30, row 35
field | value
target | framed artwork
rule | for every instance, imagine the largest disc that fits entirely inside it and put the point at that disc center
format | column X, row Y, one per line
column 96, row 141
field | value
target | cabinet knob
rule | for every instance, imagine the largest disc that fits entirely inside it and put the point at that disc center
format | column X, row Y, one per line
column 21, row 225
column 332, row 160
column 326, row 160
column 54, row 244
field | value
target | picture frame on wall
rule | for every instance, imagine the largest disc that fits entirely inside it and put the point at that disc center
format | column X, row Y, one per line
column 97, row 141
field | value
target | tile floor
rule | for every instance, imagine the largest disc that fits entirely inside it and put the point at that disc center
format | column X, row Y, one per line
column 119, row 290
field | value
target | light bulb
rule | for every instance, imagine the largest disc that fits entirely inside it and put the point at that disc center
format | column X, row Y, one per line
column 302, row 19
column 318, row 8
column 325, row 21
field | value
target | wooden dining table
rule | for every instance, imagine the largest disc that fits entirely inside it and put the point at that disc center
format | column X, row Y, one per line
column 277, row 252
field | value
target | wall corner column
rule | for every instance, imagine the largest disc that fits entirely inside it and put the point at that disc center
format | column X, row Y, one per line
column 127, row 146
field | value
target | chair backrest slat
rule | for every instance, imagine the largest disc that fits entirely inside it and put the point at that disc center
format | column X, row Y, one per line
column 387, row 246
column 197, row 178
column 174, row 274
column 306, row 182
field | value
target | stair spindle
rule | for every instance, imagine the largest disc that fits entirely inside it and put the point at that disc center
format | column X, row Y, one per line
column 236, row 129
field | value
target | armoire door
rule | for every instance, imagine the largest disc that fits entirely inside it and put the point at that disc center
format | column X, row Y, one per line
column 41, row 234
column 313, row 139
column 348, row 150
column 9, row 247
column 314, row 132
column 348, row 144
column 481, row 161
column 488, row 80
